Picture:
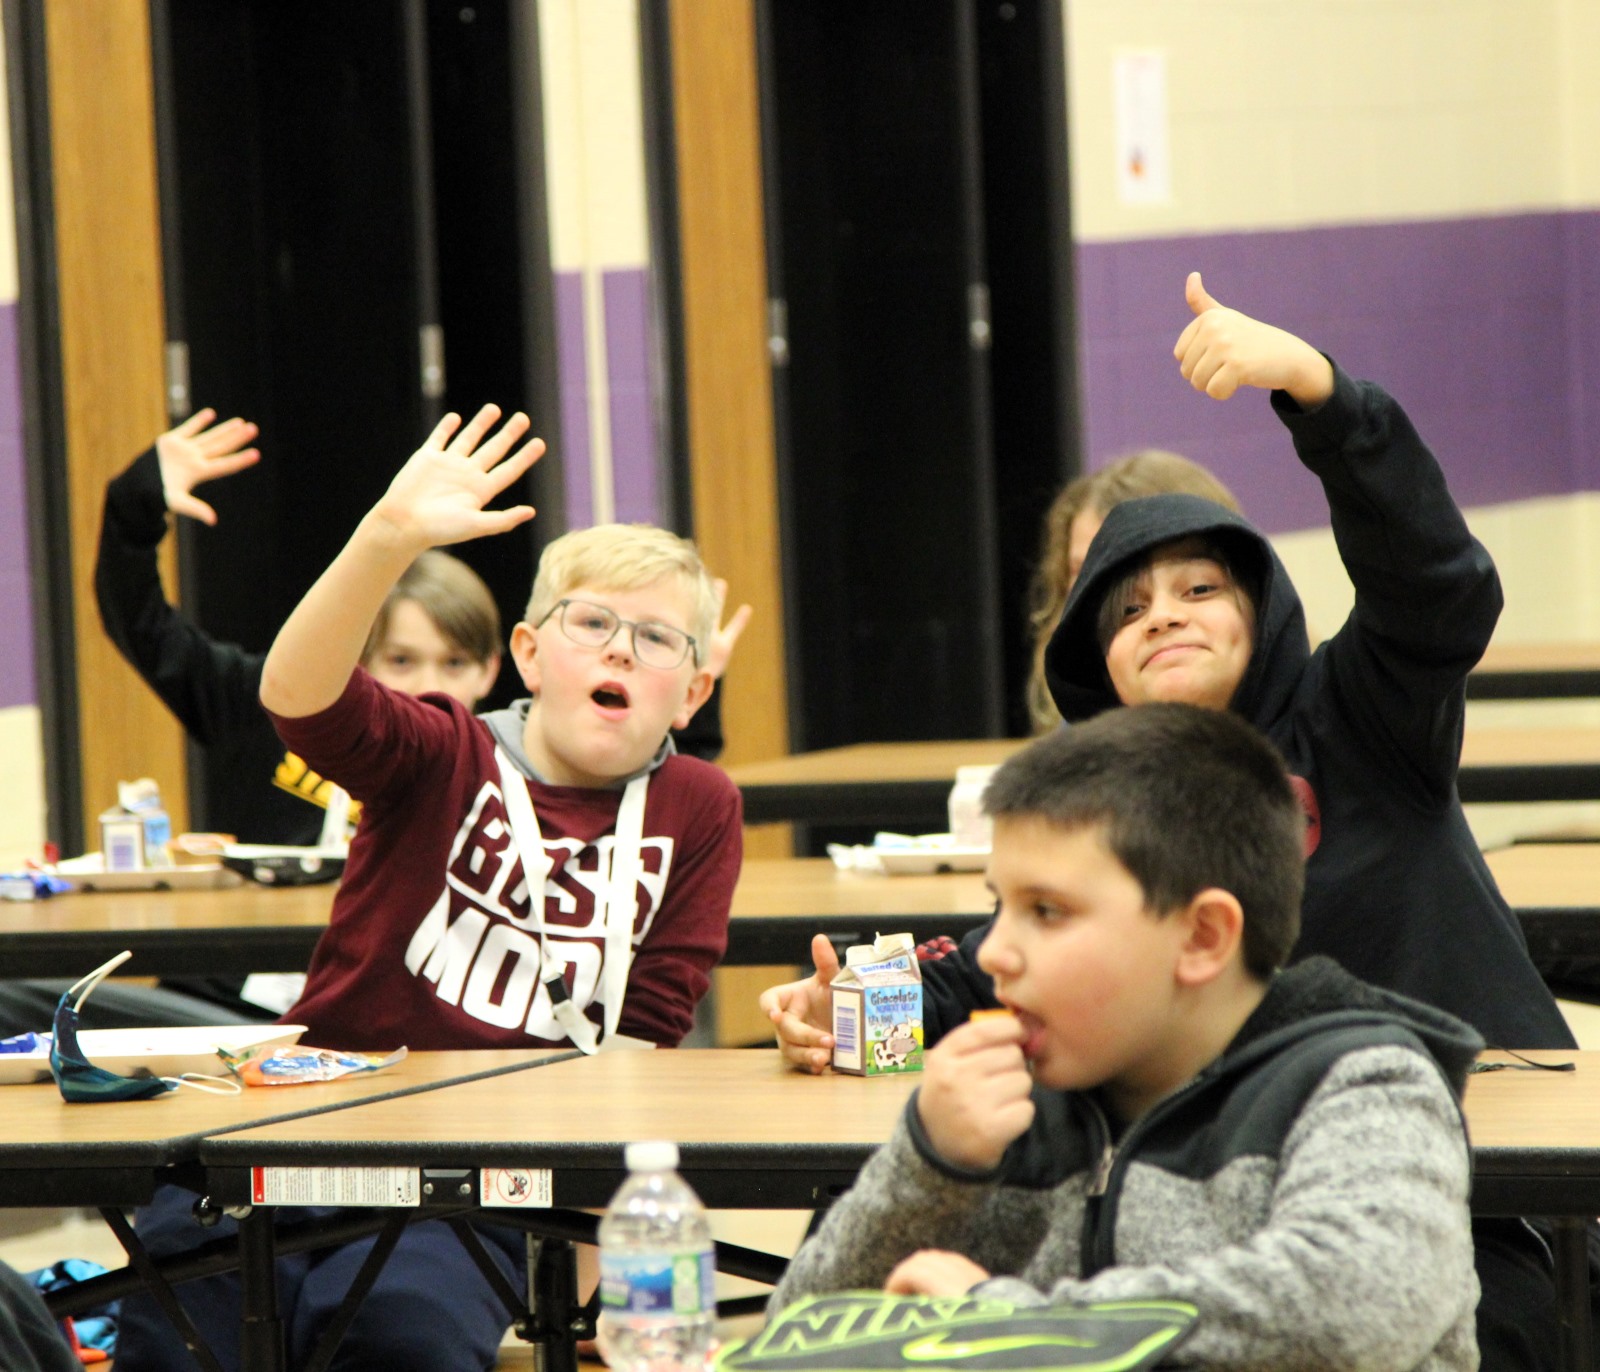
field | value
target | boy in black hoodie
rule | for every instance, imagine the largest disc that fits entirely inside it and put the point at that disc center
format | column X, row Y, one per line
column 1370, row 724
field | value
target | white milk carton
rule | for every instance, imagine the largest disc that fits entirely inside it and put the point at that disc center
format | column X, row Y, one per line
column 877, row 1009
column 969, row 826
column 134, row 832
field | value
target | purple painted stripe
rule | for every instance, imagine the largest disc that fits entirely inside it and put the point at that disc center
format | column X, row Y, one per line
column 17, row 684
column 1487, row 330
column 635, row 473
column 1581, row 278
column 572, row 362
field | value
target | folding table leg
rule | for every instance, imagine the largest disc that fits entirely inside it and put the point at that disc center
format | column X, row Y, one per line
column 260, row 1326
column 557, row 1315
column 159, row 1288
column 1572, row 1293
column 360, row 1286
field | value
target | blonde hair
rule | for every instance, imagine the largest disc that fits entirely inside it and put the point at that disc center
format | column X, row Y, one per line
column 624, row 557
column 453, row 596
column 1150, row 471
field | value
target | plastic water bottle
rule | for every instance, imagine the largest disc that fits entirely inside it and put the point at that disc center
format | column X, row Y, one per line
column 657, row 1269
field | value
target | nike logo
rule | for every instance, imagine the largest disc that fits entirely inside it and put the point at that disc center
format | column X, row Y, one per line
column 936, row 1347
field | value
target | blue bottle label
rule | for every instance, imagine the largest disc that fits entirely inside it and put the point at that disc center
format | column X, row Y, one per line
column 658, row 1284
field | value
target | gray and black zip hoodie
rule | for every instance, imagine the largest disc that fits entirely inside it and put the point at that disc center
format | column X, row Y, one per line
column 1307, row 1192
column 1371, row 722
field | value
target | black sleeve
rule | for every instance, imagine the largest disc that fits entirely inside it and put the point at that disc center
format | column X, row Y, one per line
column 1427, row 595
column 954, row 986
column 30, row 1341
column 702, row 736
column 211, row 687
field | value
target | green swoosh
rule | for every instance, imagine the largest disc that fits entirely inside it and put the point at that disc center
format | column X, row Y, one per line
column 933, row 1347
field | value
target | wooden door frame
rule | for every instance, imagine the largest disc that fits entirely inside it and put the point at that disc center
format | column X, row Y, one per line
column 92, row 343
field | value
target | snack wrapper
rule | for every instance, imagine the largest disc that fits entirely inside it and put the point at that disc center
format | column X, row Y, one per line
column 295, row 1066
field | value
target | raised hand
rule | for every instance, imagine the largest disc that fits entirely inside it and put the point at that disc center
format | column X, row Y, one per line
column 193, row 453
column 1221, row 350
column 802, row 1011
column 439, row 496
column 975, row 1096
column 720, row 652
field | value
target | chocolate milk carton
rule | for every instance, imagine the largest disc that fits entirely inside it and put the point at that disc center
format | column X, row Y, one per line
column 877, row 1009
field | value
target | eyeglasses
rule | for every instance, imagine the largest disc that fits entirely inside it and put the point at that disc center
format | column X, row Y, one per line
column 593, row 626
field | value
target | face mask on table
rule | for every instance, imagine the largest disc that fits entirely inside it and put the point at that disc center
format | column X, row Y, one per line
column 81, row 1080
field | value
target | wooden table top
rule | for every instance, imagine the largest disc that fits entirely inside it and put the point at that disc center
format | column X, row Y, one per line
column 1548, row 875
column 937, row 760
column 778, row 904
column 114, row 1153
column 767, row 887
column 920, row 761
column 735, row 1112
column 732, row 1096
column 807, row 888
column 1520, row 1108
column 699, row 1096
column 245, row 906
column 1536, row 671
column 35, row 1117
column 1571, row 656
column 1530, row 874
column 751, row 1132
column 907, row 784
column 1529, row 746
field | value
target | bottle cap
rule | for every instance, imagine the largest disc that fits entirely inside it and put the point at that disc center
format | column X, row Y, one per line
column 653, row 1155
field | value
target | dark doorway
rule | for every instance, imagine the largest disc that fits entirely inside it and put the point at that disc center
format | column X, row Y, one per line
column 354, row 242
column 918, row 252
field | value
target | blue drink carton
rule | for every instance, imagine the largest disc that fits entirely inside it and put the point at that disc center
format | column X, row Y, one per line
column 134, row 833
column 877, row 1009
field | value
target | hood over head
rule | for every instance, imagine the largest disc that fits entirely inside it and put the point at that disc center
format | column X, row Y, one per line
column 1075, row 666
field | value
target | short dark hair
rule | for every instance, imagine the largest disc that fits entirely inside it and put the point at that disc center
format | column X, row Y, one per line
column 1187, row 799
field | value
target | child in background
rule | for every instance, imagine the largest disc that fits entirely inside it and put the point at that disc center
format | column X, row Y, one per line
column 1166, row 1115
column 438, row 630
column 1070, row 524
column 1074, row 518
column 213, row 688
column 551, row 874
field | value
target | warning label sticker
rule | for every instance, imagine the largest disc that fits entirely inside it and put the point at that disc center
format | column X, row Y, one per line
column 336, row 1186
column 507, row 1188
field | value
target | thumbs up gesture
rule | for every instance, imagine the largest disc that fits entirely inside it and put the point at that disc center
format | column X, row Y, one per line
column 1221, row 350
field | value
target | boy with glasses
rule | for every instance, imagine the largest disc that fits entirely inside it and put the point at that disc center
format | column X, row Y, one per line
column 487, row 899
column 547, row 875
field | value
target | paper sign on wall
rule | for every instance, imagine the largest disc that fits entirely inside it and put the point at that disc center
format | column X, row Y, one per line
column 1144, row 169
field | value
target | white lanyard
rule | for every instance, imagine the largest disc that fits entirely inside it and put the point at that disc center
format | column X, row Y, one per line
column 336, row 823
column 619, row 900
